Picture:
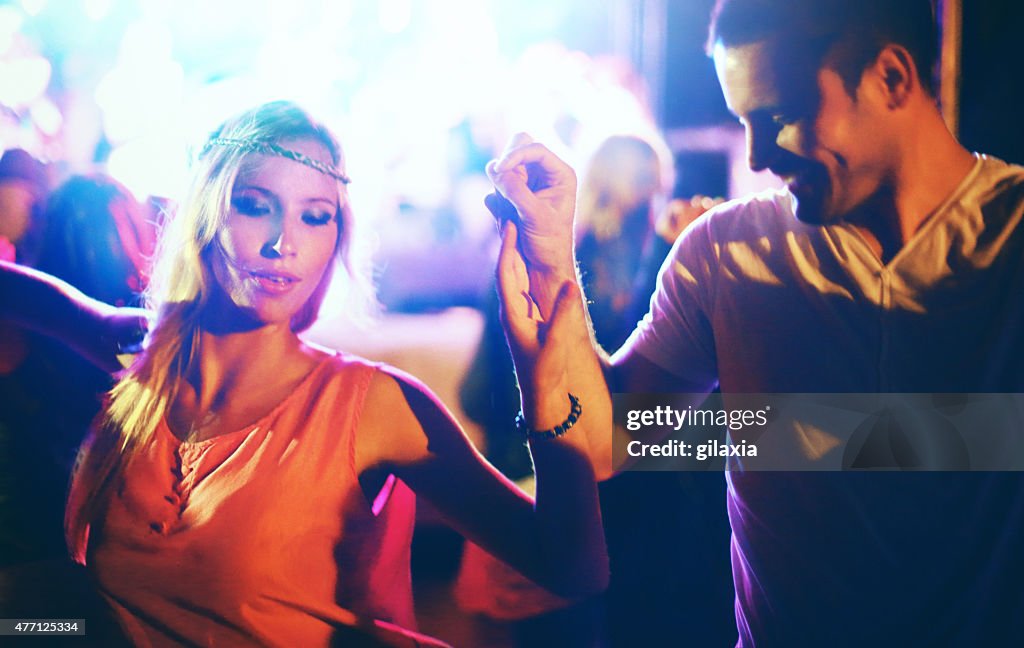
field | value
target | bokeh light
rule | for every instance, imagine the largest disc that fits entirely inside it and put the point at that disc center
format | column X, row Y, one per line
column 421, row 92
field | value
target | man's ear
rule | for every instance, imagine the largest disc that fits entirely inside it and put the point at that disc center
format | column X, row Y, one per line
column 894, row 67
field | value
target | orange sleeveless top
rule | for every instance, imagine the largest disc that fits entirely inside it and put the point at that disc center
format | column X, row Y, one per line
column 262, row 535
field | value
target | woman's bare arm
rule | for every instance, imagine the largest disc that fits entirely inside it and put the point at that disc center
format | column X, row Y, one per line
column 556, row 541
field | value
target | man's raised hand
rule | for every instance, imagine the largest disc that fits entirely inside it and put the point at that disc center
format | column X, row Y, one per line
column 542, row 190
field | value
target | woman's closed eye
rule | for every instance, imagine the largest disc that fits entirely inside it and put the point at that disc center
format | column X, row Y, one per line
column 251, row 205
column 317, row 217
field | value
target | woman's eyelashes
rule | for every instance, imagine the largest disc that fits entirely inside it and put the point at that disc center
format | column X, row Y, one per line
column 317, row 217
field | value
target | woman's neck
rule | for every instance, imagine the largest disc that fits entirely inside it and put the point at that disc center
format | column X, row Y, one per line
column 237, row 377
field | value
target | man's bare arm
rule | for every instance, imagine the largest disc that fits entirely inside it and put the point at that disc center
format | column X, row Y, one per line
column 542, row 190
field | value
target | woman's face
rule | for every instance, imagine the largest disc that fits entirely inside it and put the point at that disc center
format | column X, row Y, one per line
column 280, row 234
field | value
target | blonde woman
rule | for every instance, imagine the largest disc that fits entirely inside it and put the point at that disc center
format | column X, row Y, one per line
column 625, row 227
column 248, row 487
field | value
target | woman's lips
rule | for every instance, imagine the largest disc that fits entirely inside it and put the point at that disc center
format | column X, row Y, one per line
column 273, row 282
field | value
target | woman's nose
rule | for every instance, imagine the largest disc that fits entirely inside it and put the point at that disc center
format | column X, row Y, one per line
column 271, row 250
column 278, row 245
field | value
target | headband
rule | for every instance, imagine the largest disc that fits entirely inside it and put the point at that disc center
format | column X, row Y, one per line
column 267, row 148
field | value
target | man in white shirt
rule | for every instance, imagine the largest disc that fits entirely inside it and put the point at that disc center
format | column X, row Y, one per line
column 892, row 262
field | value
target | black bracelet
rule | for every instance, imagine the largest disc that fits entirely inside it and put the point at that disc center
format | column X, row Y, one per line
column 575, row 409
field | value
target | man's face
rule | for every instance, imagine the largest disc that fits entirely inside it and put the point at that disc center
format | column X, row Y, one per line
column 803, row 126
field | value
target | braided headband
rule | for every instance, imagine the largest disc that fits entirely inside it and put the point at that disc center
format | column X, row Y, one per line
column 267, row 148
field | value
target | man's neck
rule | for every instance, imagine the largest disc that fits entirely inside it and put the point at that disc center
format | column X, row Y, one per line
column 932, row 166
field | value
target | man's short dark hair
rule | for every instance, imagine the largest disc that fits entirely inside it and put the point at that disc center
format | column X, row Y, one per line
column 861, row 28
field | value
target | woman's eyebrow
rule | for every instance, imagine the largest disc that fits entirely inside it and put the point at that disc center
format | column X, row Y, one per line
column 333, row 202
column 251, row 187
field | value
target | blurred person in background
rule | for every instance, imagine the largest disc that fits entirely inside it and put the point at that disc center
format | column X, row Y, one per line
column 98, row 238
column 626, row 227
column 24, row 184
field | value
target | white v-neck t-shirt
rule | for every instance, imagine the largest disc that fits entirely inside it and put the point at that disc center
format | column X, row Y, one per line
column 754, row 299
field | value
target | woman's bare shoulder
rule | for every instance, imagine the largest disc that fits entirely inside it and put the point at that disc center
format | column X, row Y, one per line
column 399, row 414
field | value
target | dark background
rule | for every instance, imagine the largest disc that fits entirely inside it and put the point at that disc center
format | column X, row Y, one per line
column 991, row 91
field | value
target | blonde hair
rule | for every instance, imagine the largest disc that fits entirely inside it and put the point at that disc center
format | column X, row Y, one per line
column 625, row 173
column 181, row 286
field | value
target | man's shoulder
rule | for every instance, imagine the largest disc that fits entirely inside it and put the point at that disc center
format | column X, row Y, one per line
column 765, row 213
column 996, row 189
column 996, row 176
column 996, row 167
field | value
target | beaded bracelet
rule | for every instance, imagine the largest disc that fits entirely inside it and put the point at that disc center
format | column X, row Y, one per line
column 575, row 409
